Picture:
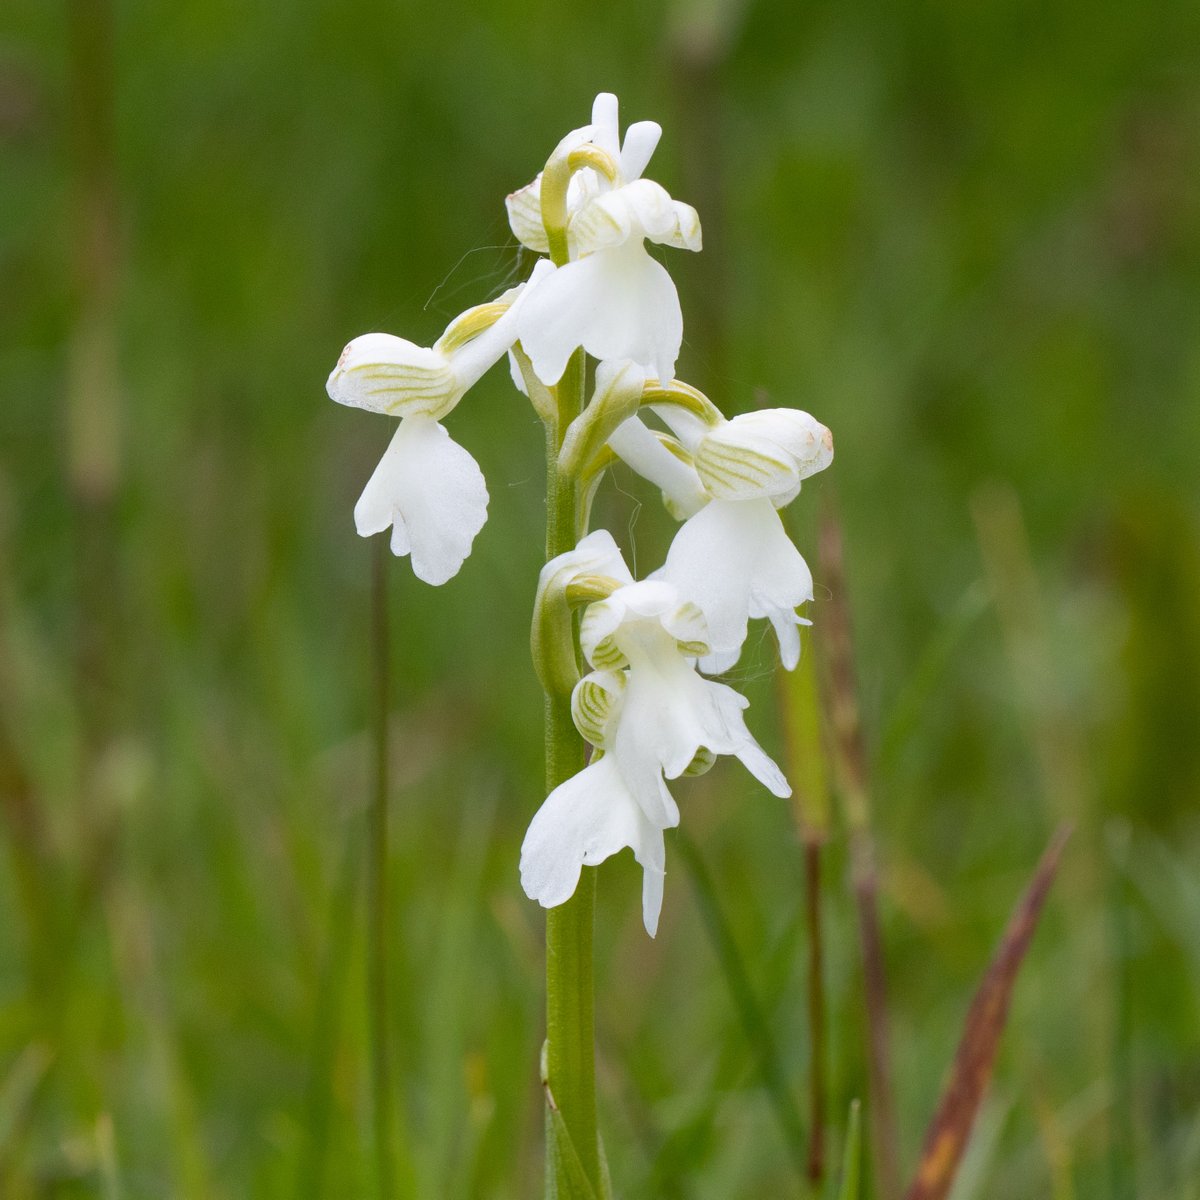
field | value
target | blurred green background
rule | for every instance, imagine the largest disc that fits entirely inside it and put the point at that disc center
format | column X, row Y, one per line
column 966, row 236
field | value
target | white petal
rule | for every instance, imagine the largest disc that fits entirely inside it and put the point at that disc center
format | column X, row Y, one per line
column 644, row 451
column 638, row 210
column 582, row 822
column 473, row 359
column 687, row 426
column 596, row 554
column 514, row 370
column 763, row 453
column 735, row 559
column 606, row 131
column 670, row 714
column 653, row 858
column 641, row 140
column 432, row 493
column 616, row 303
column 726, row 708
column 604, row 222
column 652, row 207
column 684, row 232
column 391, row 375
column 524, row 207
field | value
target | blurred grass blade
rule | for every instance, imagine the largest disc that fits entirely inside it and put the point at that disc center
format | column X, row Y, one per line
column 106, row 1158
column 754, row 1021
column 17, row 1092
column 310, row 1181
column 850, row 759
column 971, row 1070
column 800, row 706
column 928, row 675
column 852, row 1155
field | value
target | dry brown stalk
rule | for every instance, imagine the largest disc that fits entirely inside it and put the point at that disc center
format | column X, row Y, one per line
column 850, row 758
column 946, row 1139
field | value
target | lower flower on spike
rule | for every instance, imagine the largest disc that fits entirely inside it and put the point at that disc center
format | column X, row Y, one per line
column 432, row 494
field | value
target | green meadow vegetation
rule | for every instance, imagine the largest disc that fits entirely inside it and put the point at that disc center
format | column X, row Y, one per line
column 964, row 236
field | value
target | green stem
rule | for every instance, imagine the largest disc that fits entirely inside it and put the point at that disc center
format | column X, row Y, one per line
column 570, row 1018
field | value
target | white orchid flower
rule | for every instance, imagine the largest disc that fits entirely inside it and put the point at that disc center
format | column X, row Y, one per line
column 670, row 715
column 651, row 717
column 427, row 487
column 594, row 814
column 732, row 555
column 612, row 298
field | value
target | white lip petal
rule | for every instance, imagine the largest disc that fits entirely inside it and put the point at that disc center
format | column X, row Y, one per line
column 616, row 303
column 581, row 823
column 432, row 493
column 735, row 559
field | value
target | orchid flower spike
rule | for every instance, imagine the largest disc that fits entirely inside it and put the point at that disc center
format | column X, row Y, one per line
column 610, row 297
column 725, row 479
column 649, row 714
column 427, row 487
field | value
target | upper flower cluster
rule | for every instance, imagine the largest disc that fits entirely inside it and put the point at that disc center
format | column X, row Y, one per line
column 645, row 706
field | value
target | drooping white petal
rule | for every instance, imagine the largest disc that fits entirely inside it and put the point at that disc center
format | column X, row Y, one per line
column 735, row 559
column 433, row 495
column 644, row 451
column 669, row 716
column 763, row 453
column 616, row 303
column 727, row 707
column 582, row 822
column 387, row 374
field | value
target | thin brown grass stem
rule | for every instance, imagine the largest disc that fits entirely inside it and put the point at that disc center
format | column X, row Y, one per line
column 850, row 759
column 817, row 1031
column 799, row 706
column 950, row 1130
column 377, row 884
